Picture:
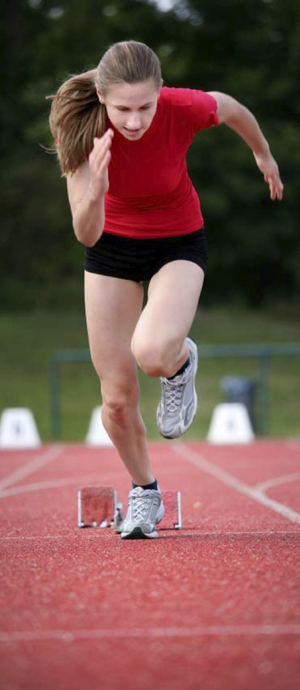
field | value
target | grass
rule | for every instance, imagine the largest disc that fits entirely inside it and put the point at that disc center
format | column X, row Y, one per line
column 29, row 340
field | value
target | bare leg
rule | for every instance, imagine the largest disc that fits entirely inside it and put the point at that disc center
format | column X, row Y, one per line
column 113, row 307
column 158, row 342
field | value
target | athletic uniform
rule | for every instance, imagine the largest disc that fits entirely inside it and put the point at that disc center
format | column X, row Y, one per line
column 152, row 211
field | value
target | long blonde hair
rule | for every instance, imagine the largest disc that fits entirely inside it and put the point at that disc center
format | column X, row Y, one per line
column 77, row 116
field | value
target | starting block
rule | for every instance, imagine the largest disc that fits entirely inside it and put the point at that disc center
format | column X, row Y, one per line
column 172, row 518
column 99, row 507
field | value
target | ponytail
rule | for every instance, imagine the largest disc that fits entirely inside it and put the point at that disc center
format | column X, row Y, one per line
column 76, row 117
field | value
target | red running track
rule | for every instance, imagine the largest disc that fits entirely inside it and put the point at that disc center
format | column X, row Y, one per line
column 214, row 606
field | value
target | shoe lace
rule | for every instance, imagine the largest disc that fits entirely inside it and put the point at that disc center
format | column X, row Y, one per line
column 140, row 506
column 173, row 396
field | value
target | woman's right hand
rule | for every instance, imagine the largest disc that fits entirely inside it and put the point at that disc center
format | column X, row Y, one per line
column 99, row 160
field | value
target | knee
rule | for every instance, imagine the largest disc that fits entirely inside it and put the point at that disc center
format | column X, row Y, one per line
column 119, row 404
column 155, row 358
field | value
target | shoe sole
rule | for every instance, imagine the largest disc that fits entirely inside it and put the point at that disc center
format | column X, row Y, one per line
column 137, row 533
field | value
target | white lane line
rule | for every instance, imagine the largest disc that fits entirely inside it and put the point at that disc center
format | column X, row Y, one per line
column 293, row 444
column 283, row 479
column 36, row 536
column 185, row 532
column 56, row 483
column 51, row 453
column 223, row 476
column 177, row 632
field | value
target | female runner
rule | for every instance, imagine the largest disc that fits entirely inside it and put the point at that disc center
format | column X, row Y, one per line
column 122, row 139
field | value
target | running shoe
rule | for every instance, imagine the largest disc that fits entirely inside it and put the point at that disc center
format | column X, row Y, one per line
column 145, row 510
column 178, row 405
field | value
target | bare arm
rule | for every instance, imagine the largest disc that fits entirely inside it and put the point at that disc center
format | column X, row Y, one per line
column 243, row 122
column 86, row 191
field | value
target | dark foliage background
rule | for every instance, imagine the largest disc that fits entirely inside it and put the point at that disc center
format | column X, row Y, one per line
column 248, row 48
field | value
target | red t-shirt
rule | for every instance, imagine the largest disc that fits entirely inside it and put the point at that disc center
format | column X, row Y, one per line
column 150, row 193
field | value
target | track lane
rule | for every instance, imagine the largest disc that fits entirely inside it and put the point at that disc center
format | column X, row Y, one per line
column 212, row 606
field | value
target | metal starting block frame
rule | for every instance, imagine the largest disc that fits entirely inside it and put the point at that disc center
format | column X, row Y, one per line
column 99, row 507
column 172, row 518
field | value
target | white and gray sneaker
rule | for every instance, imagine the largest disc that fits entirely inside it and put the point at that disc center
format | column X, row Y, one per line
column 145, row 510
column 178, row 405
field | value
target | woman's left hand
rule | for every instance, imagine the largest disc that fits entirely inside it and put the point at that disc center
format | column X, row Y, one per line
column 269, row 168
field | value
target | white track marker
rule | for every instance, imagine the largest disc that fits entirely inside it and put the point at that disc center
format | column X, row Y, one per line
column 223, row 476
column 97, row 435
column 230, row 423
column 18, row 429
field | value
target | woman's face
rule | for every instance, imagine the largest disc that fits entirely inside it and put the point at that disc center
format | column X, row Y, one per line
column 131, row 107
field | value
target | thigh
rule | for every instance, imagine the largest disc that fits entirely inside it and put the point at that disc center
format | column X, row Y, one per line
column 113, row 307
column 173, row 297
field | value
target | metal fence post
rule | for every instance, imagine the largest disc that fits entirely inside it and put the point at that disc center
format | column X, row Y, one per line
column 264, row 393
column 55, row 411
column 262, row 351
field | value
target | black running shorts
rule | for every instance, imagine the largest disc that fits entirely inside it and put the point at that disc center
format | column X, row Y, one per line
column 139, row 259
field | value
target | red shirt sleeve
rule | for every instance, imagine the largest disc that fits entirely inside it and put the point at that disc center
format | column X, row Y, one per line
column 196, row 109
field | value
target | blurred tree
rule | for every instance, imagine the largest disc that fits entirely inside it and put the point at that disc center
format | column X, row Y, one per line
column 248, row 48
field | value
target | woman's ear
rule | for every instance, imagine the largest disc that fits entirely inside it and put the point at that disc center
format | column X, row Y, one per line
column 101, row 99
